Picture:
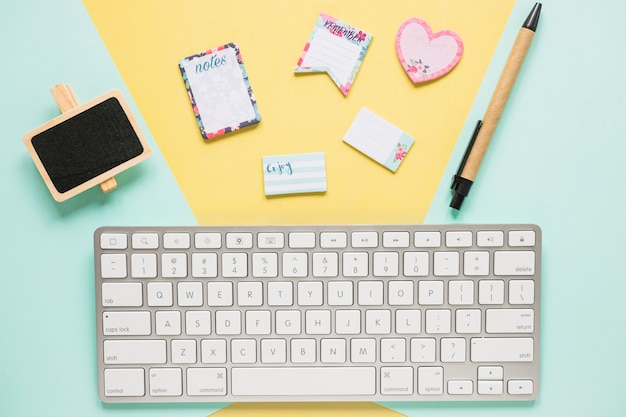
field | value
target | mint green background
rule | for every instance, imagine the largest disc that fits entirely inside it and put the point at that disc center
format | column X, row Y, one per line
column 558, row 159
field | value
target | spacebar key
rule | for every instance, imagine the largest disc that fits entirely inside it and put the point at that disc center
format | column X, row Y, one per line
column 304, row 381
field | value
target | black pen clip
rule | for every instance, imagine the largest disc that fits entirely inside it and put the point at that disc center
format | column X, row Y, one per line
column 468, row 150
column 460, row 185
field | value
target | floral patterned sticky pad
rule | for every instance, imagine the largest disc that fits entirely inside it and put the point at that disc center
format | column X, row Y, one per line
column 336, row 48
column 219, row 90
column 378, row 139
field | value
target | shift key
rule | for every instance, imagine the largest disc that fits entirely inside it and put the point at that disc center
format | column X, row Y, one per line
column 502, row 349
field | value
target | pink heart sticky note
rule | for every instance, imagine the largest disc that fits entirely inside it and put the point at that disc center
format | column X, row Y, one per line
column 425, row 55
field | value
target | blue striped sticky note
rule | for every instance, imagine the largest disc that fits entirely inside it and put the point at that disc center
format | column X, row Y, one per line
column 294, row 174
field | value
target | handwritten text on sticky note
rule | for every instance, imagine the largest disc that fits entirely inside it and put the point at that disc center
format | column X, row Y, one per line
column 294, row 174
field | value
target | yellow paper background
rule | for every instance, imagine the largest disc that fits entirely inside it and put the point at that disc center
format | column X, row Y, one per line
column 222, row 180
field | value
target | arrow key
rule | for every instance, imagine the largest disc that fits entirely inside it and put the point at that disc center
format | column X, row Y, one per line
column 460, row 387
column 520, row 387
column 490, row 387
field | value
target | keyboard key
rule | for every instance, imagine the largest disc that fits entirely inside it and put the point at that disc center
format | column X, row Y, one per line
column 113, row 265
column 145, row 240
column 126, row 323
column 348, row 322
column 386, row 264
column 520, row 386
column 206, row 381
column 510, row 320
column 325, row 264
column 198, row 322
column 370, row 293
column 396, row 239
column 415, row 264
column 310, row 293
column 460, row 387
column 392, row 350
column 329, row 240
column 204, row 265
column 490, row 387
column 213, row 351
column 239, row 240
column 271, row 240
column 355, row 264
column 514, row 263
column 475, row 263
column 190, row 294
column 521, row 238
column 297, row 381
column 168, row 323
column 491, row 373
column 295, row 265
column 456, row 239
column 174, row 265
column 490, row 238
column 280, row 293
column 228, row 322
column 396, row 380
column 430, row 293
column 113, row 241
column 234, row 265
column 502, row 349
column 143, row 265
column 166, row 382
column 126, row 294
column 491, row 292
column 438, row 321
column 208, row 240
column 461, row 292
column 124, row 382
column 364, row 239
column 176, row 240
column 430, row 380
column 160, row 294
column 265, row 265
column 423, row 350
column 427, row 239
column 446, row 264
column 340, row 293
column 521, row 291
column 125, row 352
column 299, row 240
column 303, row 351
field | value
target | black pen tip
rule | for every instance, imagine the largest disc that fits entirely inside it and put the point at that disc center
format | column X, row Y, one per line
column 533, row 18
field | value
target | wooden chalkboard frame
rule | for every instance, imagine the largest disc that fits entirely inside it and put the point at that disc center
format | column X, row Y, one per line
column 67, row 103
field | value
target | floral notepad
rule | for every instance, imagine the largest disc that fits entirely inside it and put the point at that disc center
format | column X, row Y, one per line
column 219, row 90
column 336, row 48
column 377, row 138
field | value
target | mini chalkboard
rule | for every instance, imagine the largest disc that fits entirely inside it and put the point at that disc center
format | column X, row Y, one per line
column 86, row 145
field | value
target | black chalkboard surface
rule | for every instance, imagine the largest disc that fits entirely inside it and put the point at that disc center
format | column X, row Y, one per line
column 87, row 145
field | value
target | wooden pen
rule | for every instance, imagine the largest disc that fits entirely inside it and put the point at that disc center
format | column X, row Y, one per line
column 485, row 128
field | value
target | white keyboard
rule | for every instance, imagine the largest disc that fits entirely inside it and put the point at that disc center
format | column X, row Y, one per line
column 318, row 313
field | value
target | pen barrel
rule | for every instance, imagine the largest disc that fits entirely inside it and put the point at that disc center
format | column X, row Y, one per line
column 497, row 103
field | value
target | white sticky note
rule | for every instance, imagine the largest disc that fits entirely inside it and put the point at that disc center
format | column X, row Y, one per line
column 377, row 138
column 294, row 174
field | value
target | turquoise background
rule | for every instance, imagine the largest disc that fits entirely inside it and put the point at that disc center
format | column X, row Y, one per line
column 558, row 159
